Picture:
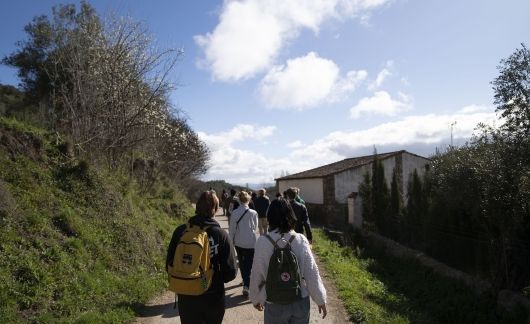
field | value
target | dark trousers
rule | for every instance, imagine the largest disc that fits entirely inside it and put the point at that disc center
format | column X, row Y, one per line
column 203, row 309
column 245, row 258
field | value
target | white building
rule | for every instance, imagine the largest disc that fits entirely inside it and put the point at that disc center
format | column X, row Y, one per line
column 329, row 189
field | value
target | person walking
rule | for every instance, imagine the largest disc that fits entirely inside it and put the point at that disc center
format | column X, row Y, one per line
column 233, row 202
column 262, row 203
column 282, row 220
column 223, row 202
column 302, row 217
column 222, row 257
column 242, row 228
column 298, row 197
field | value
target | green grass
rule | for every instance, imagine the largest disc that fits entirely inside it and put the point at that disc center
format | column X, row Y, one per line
column 376, row 288
column 78, row 244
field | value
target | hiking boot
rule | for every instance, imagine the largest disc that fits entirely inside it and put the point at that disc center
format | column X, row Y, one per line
column 245, row 291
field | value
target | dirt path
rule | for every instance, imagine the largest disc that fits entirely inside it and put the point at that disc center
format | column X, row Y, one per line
column 238, row 309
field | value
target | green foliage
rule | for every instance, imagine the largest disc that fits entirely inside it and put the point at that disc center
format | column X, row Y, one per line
column 377, row 288
column 472, row 209
column 512, row 92
column 416, row 209
column 365, row 192
column 79, row 244
column 105, row 87
column 479, row 192
column 380, row 196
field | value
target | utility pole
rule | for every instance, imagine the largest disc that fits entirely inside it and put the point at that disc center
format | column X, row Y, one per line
column 452, row 124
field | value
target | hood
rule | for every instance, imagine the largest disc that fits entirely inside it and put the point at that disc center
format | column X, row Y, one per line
column 202, row 220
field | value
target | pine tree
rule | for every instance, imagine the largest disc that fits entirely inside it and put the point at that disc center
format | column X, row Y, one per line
column 379, row 196
column 395, row 205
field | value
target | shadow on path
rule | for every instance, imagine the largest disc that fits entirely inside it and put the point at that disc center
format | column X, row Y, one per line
column 163, row 310
column 235, row 300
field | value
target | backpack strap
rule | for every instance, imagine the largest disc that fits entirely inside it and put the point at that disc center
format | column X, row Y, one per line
column 271, row 240
column 240, row 218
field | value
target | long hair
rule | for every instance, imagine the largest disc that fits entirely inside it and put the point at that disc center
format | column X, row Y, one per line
column 281, row 216
column 207, row 204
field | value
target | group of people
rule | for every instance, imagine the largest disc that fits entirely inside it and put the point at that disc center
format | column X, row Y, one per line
column 281, row 224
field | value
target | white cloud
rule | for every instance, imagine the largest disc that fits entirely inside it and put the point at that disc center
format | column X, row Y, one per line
column 240, row 166
column 428, row 130
column 382, row 75
column 251, row 33
column 474, row 109
column 381, row 103
column 236, row 165
column 305, row 82
column 295, row 144
column 239, row 133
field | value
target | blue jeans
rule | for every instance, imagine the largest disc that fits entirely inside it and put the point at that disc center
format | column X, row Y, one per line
column 294, row 313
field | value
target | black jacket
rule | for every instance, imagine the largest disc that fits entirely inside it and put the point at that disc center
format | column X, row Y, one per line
column 302, row 220
column 221, row 248
column 262, row 204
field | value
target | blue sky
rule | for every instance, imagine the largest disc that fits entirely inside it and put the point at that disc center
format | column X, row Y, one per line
column 275, row 86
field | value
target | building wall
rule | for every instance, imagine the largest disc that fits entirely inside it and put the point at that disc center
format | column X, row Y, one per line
column 411, row 162
column 311, row 190
column 327, row 197
column 348, row 181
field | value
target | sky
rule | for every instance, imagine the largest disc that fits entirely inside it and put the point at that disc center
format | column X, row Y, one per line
column 275, row 87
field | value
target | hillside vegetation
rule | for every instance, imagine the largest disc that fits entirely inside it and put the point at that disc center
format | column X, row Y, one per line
column 78, row 244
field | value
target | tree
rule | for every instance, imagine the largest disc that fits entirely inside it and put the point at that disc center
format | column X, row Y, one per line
column 365, row 192
column 106, row 85
column 512, row 91
column 415, row 211
column 380, row 197
column 395, row 205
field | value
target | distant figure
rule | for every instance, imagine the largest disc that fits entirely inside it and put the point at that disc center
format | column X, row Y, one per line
column 251, row 204
column 242, row 228
column 294, row 306
column 233, row 202
column 278, row 195
column 222, row 258
column 298, row 198
column 224, row 198
column 302, row 217
column 262, row 203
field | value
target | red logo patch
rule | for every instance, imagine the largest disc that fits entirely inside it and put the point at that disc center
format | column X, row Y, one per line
column 285, row 276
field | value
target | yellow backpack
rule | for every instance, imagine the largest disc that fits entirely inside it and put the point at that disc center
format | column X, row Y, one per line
column 192, row 271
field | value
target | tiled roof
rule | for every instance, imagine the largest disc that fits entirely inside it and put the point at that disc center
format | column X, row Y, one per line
column 340, row 166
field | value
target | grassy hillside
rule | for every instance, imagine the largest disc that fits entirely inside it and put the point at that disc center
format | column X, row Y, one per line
column 77, row 244
column 376, row 288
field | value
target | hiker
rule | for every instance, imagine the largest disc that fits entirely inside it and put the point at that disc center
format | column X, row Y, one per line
column 266, row 279
column 221, row 256
column 233, row 202
column 302, row 217
column 262, row 204
column 224, row 197
column 298, row 198
column 242, row 229
column 251, row 204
